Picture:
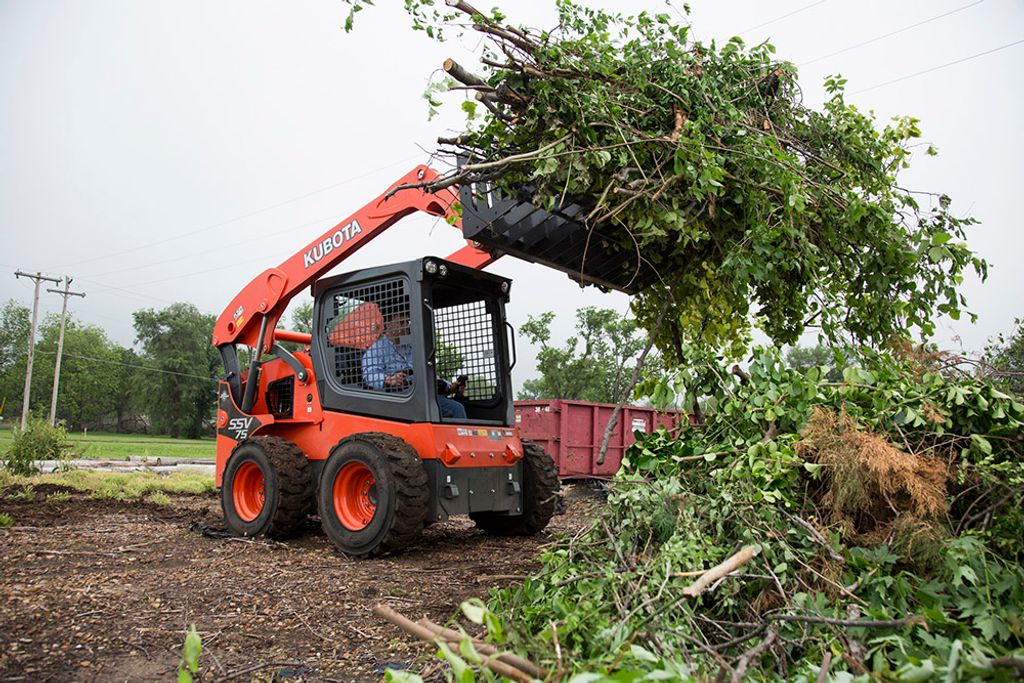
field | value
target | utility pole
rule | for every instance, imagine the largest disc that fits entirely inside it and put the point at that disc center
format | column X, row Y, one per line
column 66, row 292
column 38, row 277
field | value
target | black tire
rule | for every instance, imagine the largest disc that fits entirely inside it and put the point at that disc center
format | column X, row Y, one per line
column 540, row 496
column 287, row 488
column 399, row 494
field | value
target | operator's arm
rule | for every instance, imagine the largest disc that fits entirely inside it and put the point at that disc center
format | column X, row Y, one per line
column 375, row 364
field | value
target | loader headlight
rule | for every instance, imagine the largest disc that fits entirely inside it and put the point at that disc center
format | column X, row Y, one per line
column 443, row 270
column 430, row 267
column 504, row 288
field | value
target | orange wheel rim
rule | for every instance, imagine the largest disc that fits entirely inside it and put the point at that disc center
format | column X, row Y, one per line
column 248, row 491
column 355, row 495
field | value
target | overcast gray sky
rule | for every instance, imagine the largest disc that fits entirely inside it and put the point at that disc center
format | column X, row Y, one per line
column 170, row 151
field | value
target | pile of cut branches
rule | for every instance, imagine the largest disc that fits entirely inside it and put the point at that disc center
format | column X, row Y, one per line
column 706, row 163
column 873, row 527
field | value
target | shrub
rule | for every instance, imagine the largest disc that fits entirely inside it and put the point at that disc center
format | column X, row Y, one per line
column 37, row 441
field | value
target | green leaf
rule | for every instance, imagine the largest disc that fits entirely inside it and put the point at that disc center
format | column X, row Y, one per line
column 952, row 674
column 587, row 678
column 917, row 673
column 964, row 572
column 463, row 672
column 474, row 609
column 192, row 649
column 982, row 443
column 642, row 654
column 679, row 161
column 467, row 650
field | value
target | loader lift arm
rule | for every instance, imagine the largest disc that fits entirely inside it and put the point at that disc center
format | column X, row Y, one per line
column 252, row 316
column 262, row 302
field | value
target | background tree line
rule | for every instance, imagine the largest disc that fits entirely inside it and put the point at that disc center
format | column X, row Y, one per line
column 596, row 363
column 169, row 376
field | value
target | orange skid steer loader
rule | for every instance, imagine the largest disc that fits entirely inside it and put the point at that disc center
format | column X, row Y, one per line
column 362, row 426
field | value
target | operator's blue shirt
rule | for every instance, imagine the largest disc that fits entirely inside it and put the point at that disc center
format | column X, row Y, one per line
column 385, row 358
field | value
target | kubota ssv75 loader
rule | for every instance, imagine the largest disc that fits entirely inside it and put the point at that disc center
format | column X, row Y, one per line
column 353, row 427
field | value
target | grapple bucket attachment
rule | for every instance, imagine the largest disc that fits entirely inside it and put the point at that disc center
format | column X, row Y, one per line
column 554, row 238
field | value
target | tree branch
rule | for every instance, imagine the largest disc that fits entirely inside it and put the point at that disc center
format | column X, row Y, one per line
column 729, row 565
column 610, row 427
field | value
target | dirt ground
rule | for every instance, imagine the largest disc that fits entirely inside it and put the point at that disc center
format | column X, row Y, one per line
column 100, row 590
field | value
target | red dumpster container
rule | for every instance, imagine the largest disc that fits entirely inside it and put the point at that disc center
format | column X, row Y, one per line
column 571, row 432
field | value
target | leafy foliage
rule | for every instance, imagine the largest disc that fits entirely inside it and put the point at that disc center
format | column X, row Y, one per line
column 302, row 317
column 449, row 360
column 176, row 340
column 38, row 441
column 92, row 384
column 15, row 322
column 752, row 474
column 98, row 376
column 1005, row 360
column 702, row 158
column 594, row 365
column 190, row 652
column 806, row 357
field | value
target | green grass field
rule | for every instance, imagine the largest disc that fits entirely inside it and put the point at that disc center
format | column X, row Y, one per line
column 120, row 446
column 112, row 485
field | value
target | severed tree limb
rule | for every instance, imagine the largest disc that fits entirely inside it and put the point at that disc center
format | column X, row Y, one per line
column 525, row 156
column 680, row 120
column 464, row 7
column 728, row 566
column 447, row 181
column 859, row 623
column 826, row 664
column 817, row 537
column 526, row 45
column 743, row 375
column 752, row 653
column 740, row 639
column 518, row 662
column 458, row 140
column 459, row 73
column 1015, row 662
column 628, row 389
column 423, row 633
column 489, row 102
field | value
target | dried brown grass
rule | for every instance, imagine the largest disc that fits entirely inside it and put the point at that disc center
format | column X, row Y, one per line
column 869, row 482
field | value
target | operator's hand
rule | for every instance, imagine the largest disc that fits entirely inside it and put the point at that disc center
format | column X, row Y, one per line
column 399, row 379
column 459, row 385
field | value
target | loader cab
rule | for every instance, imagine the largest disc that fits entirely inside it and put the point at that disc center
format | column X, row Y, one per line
column 428, row 319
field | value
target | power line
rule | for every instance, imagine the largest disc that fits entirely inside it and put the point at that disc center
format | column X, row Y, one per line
column 132, row 365
column 206, row 251
column 243, row 217
column 940, row 66
column 103, row 286
column 784, row 16
column 892, row 33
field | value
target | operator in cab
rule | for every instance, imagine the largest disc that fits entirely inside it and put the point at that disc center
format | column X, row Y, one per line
column 388, row 363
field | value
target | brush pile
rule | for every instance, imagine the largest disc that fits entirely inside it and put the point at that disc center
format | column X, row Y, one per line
column 706, row 164
column 877, row 523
